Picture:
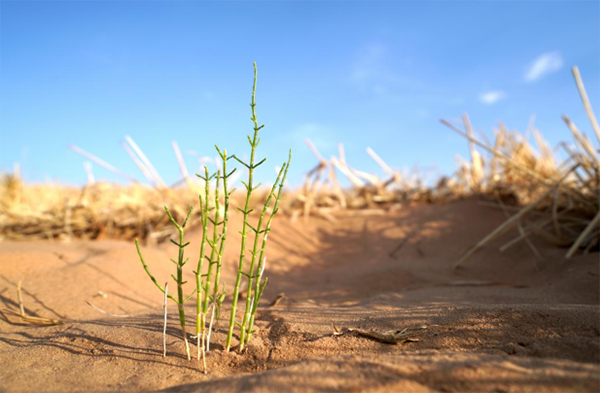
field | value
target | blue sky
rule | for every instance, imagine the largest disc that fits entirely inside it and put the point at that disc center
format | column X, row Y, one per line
column 376, row 74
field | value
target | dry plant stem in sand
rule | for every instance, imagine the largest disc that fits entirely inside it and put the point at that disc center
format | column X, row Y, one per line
column 571, row 195
column 180, row 263
column 254, row 141
column 514, row 219
column 28, row 318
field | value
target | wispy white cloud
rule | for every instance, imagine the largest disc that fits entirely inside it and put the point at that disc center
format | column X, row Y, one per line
column 491, row 97
column 543, row 65
column 369, row 68
column 374, row 71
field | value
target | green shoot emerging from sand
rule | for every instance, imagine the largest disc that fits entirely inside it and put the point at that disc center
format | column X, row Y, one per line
column 180, row 262
column 210, row 292
column 255, row 272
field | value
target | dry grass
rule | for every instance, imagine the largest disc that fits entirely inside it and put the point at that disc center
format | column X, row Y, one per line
column 100, row 209
column 322, row 195
column 510, row 170
column 561, row 197
column 24, row 317
column 94, row 211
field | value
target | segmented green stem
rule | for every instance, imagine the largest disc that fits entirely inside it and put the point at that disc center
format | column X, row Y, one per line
column 256, row 285
column 179, row 279
column 137, row 246
column 198, row 273
column 255, row 251
column 258, row 288
column 249, row 188
column 213, row 244
column 180, row 263
column 218, row 298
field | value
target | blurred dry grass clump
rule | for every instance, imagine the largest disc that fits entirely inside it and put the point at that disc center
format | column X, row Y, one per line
column 322, row 195
column 507, row 166
column 561, row 197
column 550, row 193
column 97, row 210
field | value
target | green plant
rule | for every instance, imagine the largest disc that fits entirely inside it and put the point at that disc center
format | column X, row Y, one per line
column 180, row 263
column 200, row 286
column 218, row 297
column 256, row 292
column 209, row 289
column 258, row 286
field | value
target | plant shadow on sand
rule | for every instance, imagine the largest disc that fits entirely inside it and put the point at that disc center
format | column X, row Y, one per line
column 496, row 324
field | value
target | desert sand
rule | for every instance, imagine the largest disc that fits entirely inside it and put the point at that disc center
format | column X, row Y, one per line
column 503, row 322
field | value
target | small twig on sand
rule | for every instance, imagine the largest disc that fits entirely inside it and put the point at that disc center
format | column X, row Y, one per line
column 336, row 331
column 388, row 337
column 29, row 318
column 277, row 300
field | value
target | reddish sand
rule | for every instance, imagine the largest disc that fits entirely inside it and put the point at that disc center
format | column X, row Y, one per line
column 497, row 325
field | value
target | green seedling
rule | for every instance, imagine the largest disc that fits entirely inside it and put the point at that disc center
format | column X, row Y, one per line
column 180, row 263
column 218, row 297
column 208, row 290
column 200, row 285
column 250, row 187
column 260, row 285
column 255, row 272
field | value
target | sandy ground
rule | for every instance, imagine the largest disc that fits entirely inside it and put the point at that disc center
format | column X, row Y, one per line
column 505, row 322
